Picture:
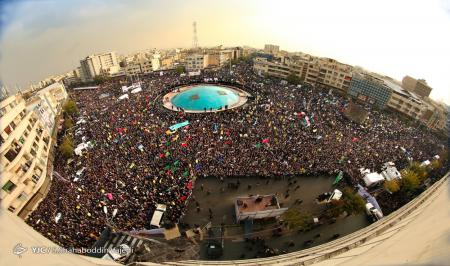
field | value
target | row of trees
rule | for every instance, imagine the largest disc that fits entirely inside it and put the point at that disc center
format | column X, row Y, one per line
column 66, row 147
column 412, row 177
column 350, row 203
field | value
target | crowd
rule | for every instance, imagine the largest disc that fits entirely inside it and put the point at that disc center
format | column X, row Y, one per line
column 135, row 162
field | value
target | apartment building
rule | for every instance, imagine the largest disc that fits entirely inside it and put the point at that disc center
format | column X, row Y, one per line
column 417, row 86
column 143, row 66
column 26, row 130
column 194, row 61
column 323, row 72
column 334, row 74
column 434, row 114
column 404, row 101
column 24, row 151
column 271, row 49
column 98, row 64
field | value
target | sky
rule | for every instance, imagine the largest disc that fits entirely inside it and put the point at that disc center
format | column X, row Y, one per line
column 39, row 38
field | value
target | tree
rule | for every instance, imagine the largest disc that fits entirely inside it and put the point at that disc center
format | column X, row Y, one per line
column 101, row 79
column 410, row 180
column 70, row 107
column 298, row 220
column 353, row 202
column 293, row 79
column 68, row 123
column 66, row 147
column 392, row 186
column 180, row 69
column 420, row 171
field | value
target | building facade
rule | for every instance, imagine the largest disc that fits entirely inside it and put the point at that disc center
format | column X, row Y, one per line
column 98, row 64
column 26, row 131
column 194, row 62
column 322, row 72
column 271, row 49
column 418, row 86
column 405, row 102
column 368, row 88
column 24, row 152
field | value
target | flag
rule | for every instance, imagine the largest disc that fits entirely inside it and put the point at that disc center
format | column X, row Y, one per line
column 189, row 185
column 338, row 177
column 308, row 123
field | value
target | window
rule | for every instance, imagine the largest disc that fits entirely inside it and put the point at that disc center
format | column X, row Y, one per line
column 35, row 178
column 23, row 196
column 9, row 186
column 11, row 155
column 8, row 130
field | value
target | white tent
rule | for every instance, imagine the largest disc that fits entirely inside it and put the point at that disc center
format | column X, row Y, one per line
column 137, row 89
column 124, row 89
column 371, row 179
column 125, row 96
column 336, row 195
column 157, row 215
column 79, row 149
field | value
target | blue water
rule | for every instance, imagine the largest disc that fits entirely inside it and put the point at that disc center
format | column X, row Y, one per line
column 205, row 96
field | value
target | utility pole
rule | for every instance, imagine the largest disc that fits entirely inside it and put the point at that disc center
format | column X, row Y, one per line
column 195, row 39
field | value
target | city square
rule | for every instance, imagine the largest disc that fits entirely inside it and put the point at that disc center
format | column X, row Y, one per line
column 218, row 154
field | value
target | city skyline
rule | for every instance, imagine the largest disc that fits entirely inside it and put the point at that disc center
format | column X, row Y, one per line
column 396, row 41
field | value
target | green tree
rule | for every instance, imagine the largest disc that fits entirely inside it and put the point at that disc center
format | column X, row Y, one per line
column 392, row 186
column 293, row 79
column 70, row 107
column 298, row 220
column 66, row 147
column 101, row 79
column 180, row 69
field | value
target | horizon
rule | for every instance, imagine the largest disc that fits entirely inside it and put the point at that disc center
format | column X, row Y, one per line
column 54, row 35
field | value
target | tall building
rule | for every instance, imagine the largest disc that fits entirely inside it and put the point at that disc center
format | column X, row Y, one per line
column 418, row 86
column 271, row 49
column 371, row 89
column 26, row 132
column 95, row 65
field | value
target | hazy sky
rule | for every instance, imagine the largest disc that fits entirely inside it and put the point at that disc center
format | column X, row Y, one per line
column 44, row 37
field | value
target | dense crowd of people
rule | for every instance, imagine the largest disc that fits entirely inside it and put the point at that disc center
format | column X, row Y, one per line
column 134, row 162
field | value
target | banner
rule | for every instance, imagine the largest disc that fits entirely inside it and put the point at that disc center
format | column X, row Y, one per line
column 177, row 126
